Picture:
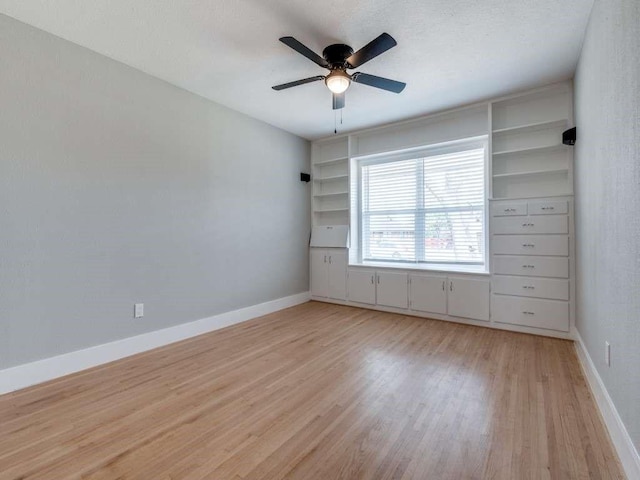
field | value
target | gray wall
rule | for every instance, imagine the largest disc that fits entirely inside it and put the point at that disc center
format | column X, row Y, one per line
column 116, row 187
column 607, row 103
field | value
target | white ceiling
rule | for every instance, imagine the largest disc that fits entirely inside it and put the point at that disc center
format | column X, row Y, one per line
column 450, row 52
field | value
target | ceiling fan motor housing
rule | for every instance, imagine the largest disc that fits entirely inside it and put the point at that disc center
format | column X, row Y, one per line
column 337, row 55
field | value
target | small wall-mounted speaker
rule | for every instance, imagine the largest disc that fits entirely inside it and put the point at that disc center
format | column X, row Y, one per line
column 569, row 136
column 305, row 177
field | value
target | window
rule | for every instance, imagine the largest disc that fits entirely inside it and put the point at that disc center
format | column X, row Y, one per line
column 424, row 208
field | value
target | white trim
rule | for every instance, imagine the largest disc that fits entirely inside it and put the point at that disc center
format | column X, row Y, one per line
column 620, row 438
column 28, row 374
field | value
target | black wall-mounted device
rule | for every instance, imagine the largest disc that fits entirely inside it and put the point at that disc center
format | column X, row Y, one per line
column 305, row 177
column 569, row 136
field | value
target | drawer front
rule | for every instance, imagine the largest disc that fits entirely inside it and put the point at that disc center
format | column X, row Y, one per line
column 508, row 209
column 555, row 267
column 531, row 287
column 531, row 225
column 531, row 312
column 548, row 208
column 531, row 245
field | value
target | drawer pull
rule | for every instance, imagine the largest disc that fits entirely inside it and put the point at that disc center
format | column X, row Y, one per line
column 528, row 245
column 528, row 313
column 528, row 287
column 509, row 210
column 528, row 225
column 528, row 266
column 548, row 208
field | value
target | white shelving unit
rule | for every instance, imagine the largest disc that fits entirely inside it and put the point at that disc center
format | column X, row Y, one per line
column 330, row 175
column 528, row 157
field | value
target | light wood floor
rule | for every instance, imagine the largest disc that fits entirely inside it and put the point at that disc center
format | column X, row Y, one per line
column 321, row 392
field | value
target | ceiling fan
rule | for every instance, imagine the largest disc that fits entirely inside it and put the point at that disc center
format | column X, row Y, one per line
column 339, row 58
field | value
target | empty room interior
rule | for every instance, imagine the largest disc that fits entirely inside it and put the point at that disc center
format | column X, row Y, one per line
column 245, row 239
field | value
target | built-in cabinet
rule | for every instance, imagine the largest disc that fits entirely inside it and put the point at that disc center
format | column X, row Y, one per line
column 530, row 287
column 531, row 258
column 453, row 296
column 328, row 273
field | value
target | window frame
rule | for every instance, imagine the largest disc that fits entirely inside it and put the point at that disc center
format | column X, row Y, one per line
column 357, row 165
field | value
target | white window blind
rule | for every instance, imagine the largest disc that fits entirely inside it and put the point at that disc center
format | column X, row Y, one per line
column 424, row 210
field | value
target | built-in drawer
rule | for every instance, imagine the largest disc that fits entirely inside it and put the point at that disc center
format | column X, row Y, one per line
column 556, row 267
column 531, row 245
column 531, row 312
column 508, row 209
column 548, row 208
column 531, row 287
column 530, row 225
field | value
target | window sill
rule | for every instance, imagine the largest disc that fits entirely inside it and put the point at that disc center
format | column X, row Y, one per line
column 442, row 268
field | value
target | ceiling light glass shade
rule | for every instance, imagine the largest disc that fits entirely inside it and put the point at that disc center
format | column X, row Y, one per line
column 338, row 81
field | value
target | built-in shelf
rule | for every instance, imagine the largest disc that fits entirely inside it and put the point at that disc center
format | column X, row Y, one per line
column 546, row 148
column 329, row 210
column 329, row 195
column 330, row 161
column 530, row 173
column 333, row 177
column 532, row 127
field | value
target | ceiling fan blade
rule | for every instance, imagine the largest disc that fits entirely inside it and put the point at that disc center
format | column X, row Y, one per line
column 338, row 101
column 371, row 50
column 298, row 82
column 303, row 50
column 378, row 82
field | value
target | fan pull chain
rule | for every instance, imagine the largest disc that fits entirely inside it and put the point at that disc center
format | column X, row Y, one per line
column 335, row 122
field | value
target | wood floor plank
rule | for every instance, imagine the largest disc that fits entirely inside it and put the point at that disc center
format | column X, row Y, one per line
column 318, row 391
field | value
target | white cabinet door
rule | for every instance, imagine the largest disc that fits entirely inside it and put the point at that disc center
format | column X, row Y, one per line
column 338, row 275
column 392, row 289
column 319, row 273
column 469, row 298
column 428, row 294
column 361, row 286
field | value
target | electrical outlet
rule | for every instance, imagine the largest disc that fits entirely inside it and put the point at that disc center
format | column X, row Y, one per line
column 138, row 310
column 607, row 353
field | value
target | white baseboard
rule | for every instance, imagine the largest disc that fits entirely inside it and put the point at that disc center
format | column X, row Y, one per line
column 28, row 374
column 619, row 436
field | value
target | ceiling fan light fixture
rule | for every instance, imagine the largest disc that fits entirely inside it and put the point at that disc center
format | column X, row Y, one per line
column 338, row 81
